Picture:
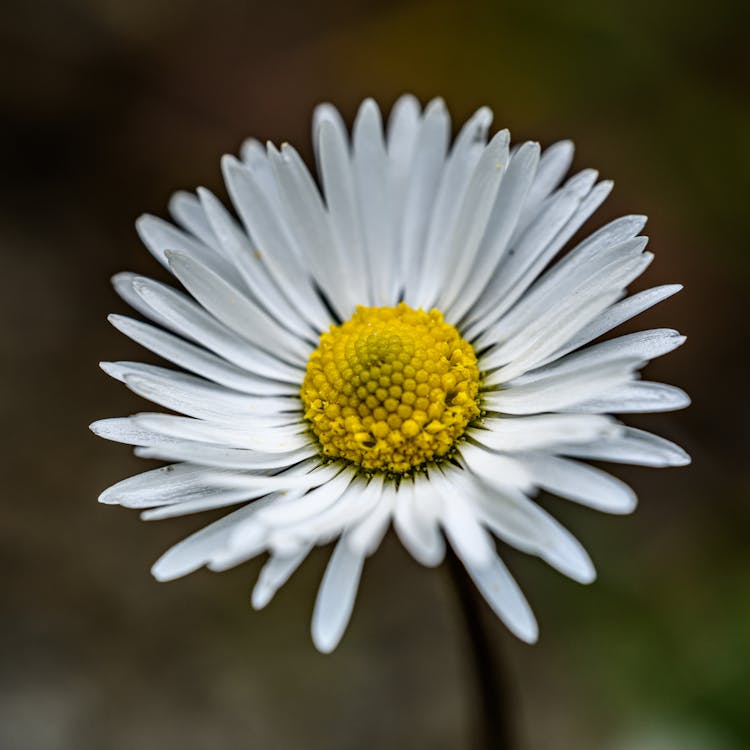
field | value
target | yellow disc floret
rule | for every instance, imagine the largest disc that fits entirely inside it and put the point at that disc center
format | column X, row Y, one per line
column 390, row 389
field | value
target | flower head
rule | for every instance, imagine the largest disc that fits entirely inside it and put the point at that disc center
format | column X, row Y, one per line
column 398, row 346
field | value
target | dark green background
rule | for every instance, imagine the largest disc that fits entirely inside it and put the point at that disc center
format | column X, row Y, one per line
column 107, row 107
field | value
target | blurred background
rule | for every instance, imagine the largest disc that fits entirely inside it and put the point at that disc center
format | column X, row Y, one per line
column 108, row 106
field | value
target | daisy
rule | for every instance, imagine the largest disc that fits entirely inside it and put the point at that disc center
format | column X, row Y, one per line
column 396, row 344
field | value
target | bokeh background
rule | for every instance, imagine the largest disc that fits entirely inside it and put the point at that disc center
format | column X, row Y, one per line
column 107, row 107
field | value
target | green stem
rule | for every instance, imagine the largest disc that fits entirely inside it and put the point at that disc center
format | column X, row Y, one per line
column 494, row 728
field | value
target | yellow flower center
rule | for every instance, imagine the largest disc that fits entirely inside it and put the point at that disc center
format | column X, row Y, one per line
column 391, row 388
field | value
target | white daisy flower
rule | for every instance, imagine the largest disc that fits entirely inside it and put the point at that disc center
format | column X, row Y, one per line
column 398, row 345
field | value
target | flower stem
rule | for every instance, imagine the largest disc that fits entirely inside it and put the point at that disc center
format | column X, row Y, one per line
column 494, row 730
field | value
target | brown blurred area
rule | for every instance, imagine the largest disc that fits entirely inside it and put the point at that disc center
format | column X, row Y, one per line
column 107, row 108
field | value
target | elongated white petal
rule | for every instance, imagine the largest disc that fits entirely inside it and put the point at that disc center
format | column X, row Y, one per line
column 541, row 344
column 198, row 360
column 643, row 345
column 631, row 446
column 460, row 176
column 617, row 314
column 501, row 592
column 415, row 520
column 123, row 430
column 198, row 398
column 188, row 319
column 505, row 214
column 538, row 244
column 218, row 499
column 237, row 246
column 420, row 198
column 270, row 436
column 403, row 135
column 257, row 203
column 459, row 520
column 366, row 536
column 167, row 449
column 495, row 468
column 163, row 486
column 635, row 397
column 160, row 237
column 474, row 214
column 579, row 482
column 306, row 217
column 341, row 200
column 236, row 311
column 518, row 521
column 543, row 431
column 187, row 211
column 123, row 284
column 310, row 504
column 335, row 601
column 370, row 163
column 565, row 391
column 275, row 573
column 553, row 164
column 196, row 550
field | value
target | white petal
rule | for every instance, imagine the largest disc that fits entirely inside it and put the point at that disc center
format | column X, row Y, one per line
column 566, row 282
column 537, row 246
column 564, row 391
column 236, row 311
column 502, row 594
column 505, row 214
column 162, row 486
column 542, row 431
column 403, row 135
column 160, row 237
column 415, row 520
column 366, row 536
column 275, row 573
column 186, row 318
column 631, row 447
column 637, row 396
column 198, row 360
column 259, row 210
column 420, row 197
column 619, row 313
column 554, row 163
column 581, row 483
column 239, row 250
column 550, row 334
column 523, row 524
column 643, row 345
column 219, row 499
column 473, row 216
column 370, row 161
column 195, row 551
column 311, row 504
column 362, row 497
column 335, row 601
column 307, row 219
column 196, row 397
column 187, row 211
column 269, row 438
column 327, row 113
column 337, row 176
column 459, row 519
column 496, row 469
column 449, row 203
column 123, row 285
column 223, row 458
column 123, row 430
